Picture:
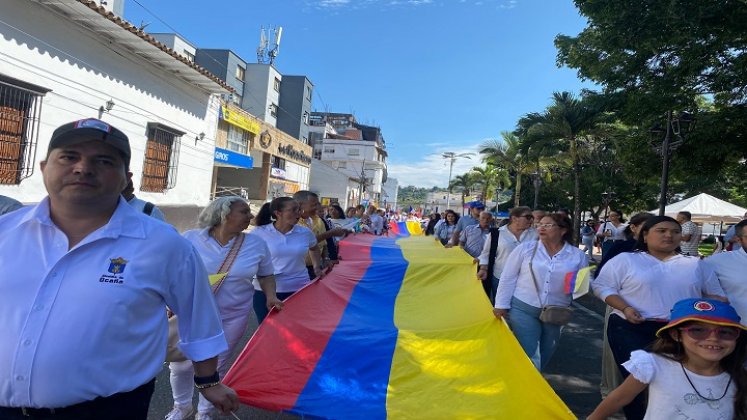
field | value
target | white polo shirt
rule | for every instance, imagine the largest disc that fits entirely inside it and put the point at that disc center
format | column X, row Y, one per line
column 235, row 294
column 653, row 286
column 731, row 270
column 288, row 252
column 91, row 321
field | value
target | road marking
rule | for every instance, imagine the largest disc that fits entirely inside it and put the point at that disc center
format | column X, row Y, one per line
column 588, row 311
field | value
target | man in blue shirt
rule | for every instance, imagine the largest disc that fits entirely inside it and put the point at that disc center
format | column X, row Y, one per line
column 475, row 208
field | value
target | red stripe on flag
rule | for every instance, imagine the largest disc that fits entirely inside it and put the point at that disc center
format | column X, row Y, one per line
column 284, row 343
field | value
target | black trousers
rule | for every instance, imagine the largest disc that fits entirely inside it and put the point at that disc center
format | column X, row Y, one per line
column 132, row 405
column 625, row 337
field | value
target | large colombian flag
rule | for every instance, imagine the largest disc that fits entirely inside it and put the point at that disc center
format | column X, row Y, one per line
column 399, row 329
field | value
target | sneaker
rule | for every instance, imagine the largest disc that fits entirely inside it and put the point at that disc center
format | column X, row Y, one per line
column 206, row 415
column 180, row 413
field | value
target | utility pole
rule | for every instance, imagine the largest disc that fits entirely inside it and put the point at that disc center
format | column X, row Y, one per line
column 452, row 157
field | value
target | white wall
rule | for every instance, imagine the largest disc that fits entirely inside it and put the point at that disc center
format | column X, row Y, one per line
column 83, row 72
column 328, row 182
column 297, row 173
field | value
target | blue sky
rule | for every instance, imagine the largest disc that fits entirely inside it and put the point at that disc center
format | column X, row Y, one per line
column 435, row 75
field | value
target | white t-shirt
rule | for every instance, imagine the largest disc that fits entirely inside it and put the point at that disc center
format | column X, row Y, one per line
column 670, row 395
column 236, row 292
column 652, row 286
column 618, row 232
column 288, row 252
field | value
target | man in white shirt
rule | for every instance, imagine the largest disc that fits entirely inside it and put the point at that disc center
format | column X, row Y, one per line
column 690, row 234
column 730, row 237
column 142, row 206
column 730, row 268
column 84, row 288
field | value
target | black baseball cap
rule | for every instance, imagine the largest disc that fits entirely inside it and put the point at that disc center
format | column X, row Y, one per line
column 91, row 129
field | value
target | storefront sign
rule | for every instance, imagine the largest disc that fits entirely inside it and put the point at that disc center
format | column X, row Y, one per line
column 288, row 151
column 235, row 118
column 229, row 157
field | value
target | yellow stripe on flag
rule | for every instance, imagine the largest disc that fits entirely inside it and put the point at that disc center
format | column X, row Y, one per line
column 452, row 357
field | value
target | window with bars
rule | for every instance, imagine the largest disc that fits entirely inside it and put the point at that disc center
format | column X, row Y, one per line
column 161, row 158
column 238, row 140
column 273, row 110
column 20, row 109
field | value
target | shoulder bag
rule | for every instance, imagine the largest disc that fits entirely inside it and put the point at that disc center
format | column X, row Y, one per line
column 550, row 314
column 173, row 354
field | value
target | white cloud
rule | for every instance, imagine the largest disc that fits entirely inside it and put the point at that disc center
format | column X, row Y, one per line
column 434, row 169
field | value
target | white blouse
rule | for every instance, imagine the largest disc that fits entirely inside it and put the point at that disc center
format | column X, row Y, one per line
column 653, row 286
column 618, row 233
column 236, row 292
column 670, row 394
column 288, row 252
column 516, row 278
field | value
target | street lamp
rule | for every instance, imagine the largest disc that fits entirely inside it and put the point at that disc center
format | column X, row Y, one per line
column 679, row 126
column 452, row 157
column 537, row 181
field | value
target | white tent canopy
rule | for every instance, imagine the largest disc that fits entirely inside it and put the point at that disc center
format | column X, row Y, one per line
column 706, row 208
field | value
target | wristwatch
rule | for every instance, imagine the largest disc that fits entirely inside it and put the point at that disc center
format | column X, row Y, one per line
column 203, row 382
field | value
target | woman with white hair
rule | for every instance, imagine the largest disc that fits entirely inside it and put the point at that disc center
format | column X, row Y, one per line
column 233, row 258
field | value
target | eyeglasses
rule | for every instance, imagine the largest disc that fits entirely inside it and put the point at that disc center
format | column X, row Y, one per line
column 546, row 225
column 527, row 216
column 722, row 333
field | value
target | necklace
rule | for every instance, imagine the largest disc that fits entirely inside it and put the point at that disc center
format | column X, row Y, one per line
column 696, row 390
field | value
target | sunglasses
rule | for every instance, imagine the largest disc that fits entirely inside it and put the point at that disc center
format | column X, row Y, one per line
column 722, row 333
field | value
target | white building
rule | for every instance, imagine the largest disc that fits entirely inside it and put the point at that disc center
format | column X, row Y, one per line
column 64, row 60
column 389, row 194
column 333, row 186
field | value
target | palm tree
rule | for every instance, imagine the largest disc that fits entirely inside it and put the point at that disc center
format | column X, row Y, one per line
column 507, row 154
column 465, row 182
column 489, row 178
column 564, row 121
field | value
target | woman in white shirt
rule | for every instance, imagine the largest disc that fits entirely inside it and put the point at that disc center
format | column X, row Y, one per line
column 534, row 276
column 642, row 287
column 222, row 223
column 612, row 230
column 288, row 244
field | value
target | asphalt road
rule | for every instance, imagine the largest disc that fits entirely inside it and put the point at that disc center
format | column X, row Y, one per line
column 574, row 373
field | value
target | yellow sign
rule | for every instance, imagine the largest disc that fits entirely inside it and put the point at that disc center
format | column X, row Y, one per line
column 238, row 120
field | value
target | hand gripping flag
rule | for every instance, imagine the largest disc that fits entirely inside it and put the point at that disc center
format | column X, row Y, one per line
column 577, row 282
column 399, row 329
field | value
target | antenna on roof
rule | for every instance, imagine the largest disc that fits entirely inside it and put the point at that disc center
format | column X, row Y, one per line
column 267, row 53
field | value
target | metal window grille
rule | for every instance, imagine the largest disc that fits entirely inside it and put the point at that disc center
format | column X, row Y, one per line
column 161, row 159
column 238, row 140
column 20, row 109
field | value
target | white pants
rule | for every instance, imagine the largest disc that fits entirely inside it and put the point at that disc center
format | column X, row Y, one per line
column 182, row 373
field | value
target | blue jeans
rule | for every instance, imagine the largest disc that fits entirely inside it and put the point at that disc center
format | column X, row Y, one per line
column 494, row 288
column 538, row 339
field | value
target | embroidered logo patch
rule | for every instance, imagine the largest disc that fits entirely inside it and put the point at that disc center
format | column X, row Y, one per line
column 703, row 306
column 117, row 265
column 116, row 268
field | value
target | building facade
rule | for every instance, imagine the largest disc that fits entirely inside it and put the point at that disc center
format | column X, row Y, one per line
column 69, row 60
column 294, row 107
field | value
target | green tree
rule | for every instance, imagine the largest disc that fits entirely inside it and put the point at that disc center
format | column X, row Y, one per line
column 507, row 153
column 489, row 178
column 465, row 183
column 565, row 121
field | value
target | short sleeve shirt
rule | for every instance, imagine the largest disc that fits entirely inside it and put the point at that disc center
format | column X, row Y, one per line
column 690, row 247
column 253, row 259
column 670, row 394
column 288, row 251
